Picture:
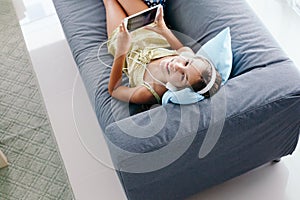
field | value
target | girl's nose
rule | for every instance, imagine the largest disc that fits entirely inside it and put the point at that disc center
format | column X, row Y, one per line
column 178, row 67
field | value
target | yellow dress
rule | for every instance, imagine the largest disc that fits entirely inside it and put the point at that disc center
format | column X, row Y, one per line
column 145, row 46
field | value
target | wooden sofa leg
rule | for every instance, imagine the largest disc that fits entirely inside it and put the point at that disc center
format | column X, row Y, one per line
column 3, row 160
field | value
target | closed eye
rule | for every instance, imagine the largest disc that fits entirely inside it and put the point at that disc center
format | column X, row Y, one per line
column 188, row 62
column 182, row 76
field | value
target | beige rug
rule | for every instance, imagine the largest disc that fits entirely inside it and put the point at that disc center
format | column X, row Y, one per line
column 36, row 170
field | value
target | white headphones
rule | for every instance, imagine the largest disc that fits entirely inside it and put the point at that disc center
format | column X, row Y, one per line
column 171, row 87
column 213, row 77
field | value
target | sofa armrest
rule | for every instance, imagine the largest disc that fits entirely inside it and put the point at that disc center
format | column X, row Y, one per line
column 167, row 132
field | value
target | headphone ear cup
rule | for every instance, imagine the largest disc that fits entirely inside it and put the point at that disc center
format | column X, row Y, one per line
column 171, row 87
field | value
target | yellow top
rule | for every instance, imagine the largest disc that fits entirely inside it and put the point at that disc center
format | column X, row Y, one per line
column 145, row 46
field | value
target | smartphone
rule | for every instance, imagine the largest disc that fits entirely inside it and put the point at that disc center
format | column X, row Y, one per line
column 141, row 19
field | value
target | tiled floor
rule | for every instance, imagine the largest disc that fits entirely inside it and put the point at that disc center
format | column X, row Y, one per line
column 79, row 136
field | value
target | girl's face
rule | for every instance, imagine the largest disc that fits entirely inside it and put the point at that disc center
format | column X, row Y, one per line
column 182, row 71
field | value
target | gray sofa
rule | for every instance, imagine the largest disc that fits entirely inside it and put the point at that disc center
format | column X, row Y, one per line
column 174, row 151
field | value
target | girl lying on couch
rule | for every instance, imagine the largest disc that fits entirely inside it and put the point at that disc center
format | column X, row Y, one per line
column 153, row 58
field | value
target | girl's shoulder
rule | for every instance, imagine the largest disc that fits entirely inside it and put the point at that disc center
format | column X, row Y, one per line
column 185, row 49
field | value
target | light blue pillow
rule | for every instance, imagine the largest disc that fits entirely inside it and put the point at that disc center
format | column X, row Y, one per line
column 218, row 51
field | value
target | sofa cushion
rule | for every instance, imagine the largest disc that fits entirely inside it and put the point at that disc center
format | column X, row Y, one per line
column 252, row 45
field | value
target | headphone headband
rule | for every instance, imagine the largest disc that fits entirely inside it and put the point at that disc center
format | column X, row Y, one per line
column 213, row 77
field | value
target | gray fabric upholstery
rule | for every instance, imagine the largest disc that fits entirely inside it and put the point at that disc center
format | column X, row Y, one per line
column 261, row 101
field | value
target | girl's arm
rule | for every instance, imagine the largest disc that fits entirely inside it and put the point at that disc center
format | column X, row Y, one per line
column 172, row 39
column 137, row 95
column 116, row 74
column 122, row 47
column 162, row 29
column 140, row 94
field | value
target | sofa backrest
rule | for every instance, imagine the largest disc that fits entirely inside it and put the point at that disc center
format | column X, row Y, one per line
column 253, row 46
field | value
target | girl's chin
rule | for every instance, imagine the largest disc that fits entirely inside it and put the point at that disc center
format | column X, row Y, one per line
column 163, row 66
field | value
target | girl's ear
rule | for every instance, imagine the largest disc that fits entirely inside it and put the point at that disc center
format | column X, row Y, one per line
column 171, row 87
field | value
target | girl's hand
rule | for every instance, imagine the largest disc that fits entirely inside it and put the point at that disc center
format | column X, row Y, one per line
column 160, row 26
column 123, row 41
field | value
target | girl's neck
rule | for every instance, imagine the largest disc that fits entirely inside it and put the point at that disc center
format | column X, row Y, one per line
column 153, row 73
